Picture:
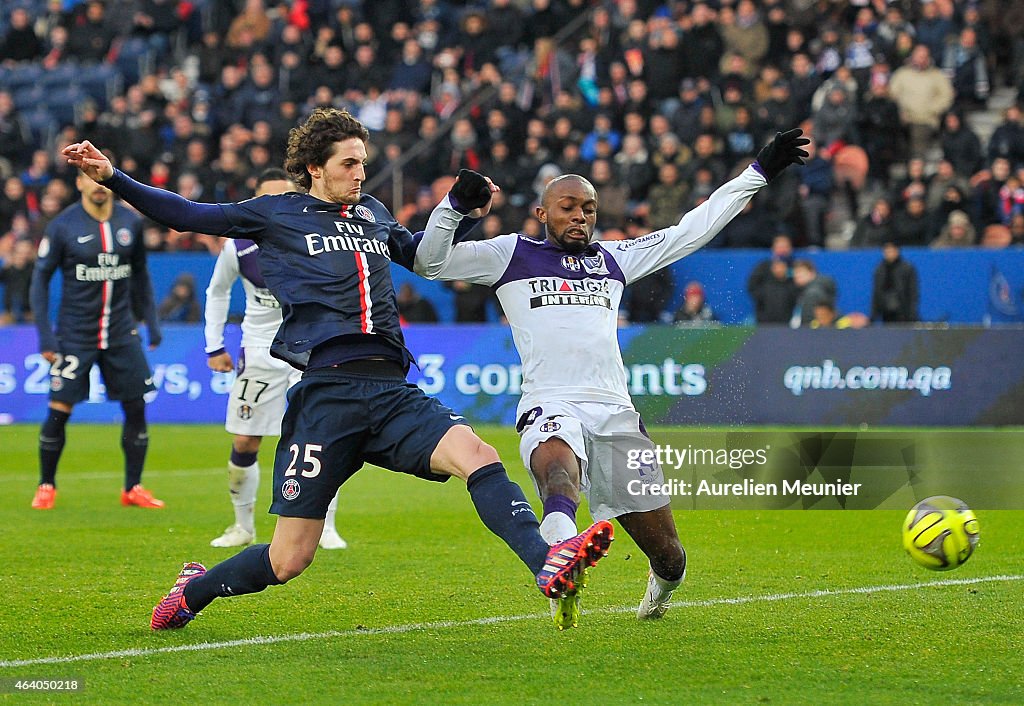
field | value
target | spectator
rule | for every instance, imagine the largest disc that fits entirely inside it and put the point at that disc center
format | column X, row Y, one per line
column 816, row 187
column 826, row 316
column 911, row 225
column 965, row 65
column 957, row 232
column 12, row 202
column 702, row 45
column 894, row 296
column 812, row 289
column 90, row 36
column 413, row 308
column 945, row 178
column 743, row 32
column 667, row 198
column 996, row 237
column 612, row 194
column 923, row 94
column 1007, row 140
column 20, row 43
column 16, row 278
column 634, row 167
column 986, row 187
column 646, row 300
column 1017, row 229
column 960, row 145
column 750, row 228
column 695, row 309
column 772, row 289
column 835, row 122
column 250, row 28
column 876, row 227
column 180, row 305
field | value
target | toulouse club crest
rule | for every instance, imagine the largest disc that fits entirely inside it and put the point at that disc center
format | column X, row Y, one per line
column 571, row 263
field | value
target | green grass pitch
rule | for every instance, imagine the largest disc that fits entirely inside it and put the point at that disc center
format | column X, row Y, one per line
column 783, row 607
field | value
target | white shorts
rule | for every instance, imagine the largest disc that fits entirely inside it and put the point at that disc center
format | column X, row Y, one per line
column 259, row 393
column 600, row 435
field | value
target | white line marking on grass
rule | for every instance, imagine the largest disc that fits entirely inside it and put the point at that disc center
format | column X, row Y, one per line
column 495, row 620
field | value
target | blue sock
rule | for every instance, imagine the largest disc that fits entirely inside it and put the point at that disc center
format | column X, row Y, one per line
column 134, row 441
column 249, row 571
column 241, row 459
column 506, row 512
column 51, row 444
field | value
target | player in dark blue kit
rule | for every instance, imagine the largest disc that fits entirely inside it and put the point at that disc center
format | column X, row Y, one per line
column 326, row 257
column 97, row 246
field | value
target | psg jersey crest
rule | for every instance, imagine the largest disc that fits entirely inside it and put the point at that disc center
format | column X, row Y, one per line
column 364, row 213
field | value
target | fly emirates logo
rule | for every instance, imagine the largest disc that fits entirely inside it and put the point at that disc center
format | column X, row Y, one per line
column 108, row 269
column 351, row 238
column 554, row 291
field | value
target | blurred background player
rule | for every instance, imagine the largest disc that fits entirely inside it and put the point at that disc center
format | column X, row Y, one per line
column 258, row 394
column 97, row 245
column 561, row 296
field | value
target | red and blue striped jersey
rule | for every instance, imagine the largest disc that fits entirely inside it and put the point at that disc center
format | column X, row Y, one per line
column 105, row 287
column 329, row 265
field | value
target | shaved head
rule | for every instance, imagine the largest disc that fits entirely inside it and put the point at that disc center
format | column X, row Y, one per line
column 568, row 210
column 564, row 180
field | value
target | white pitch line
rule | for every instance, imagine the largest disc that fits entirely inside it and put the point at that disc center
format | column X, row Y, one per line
column 494, row 620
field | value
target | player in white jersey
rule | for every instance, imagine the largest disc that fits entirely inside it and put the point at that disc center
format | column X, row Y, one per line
column 257, row 400
column 561, row 297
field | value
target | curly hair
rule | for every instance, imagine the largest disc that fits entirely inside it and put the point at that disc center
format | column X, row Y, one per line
column 313, row 141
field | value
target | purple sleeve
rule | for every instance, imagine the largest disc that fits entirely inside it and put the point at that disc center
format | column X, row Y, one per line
column 169, row 209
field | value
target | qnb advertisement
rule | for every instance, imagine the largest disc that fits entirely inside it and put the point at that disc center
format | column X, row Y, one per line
column 924, row 379
column 713, row 376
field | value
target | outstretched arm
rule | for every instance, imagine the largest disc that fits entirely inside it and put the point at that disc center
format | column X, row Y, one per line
column 164, row 207
column 698, row 227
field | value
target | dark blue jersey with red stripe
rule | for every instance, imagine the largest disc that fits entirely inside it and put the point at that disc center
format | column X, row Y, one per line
column 329, row 265
column 106, row 285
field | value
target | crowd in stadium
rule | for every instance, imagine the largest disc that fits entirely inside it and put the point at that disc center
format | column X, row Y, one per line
column 656, row 103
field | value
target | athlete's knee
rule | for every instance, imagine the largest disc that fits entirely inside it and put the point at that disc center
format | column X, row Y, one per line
column 484, row 454
column 555, row 466
column 134, row 413
column 246, row 444
column 293, row 564
column 670, row 561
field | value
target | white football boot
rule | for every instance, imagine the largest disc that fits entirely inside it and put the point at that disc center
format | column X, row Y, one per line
column 330, row 539
column 234, row 536
column 658, row 596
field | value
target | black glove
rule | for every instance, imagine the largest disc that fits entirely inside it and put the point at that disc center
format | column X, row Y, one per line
column 470, row 192
column 782, row 151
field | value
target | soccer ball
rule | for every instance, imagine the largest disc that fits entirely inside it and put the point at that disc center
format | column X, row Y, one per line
column 940, row 533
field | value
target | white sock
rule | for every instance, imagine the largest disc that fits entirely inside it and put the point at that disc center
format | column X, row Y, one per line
column 557, row 527
column 664, row 585
column 332, row 511
column 243, row 482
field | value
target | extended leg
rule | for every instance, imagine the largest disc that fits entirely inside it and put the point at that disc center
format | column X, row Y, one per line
column 250, row 571
column 655, row 533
